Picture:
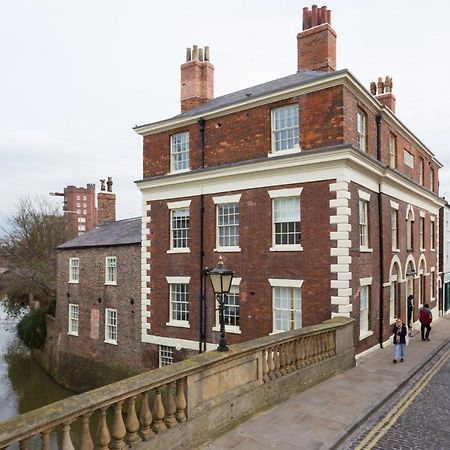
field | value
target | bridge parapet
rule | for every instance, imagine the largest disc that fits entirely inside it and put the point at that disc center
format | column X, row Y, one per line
column 186, row 404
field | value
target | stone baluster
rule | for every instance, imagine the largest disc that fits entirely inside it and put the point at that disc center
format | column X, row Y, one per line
column 265, row 367
column 23, row 444
column 67, row 440
column 283, row 359
column 292, row 356
column 86, row 439
column 331, row 344
column 102, row 437
column 45, row 439
column 145, row 418
column 320, row 346
column 118, row 429
column 276, row 361
column 181, row 402
column 158, row 413
column 132, row 423
column 171, row 407
column 270, row 363
column 309, row 350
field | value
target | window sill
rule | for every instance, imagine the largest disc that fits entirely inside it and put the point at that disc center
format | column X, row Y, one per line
column 288, row 151
column 73, row 282
column 395, row 250
column 422, row 249
column 286, row 248
column 365, row 250
column 110, row 341
column 173, row 172
column 227, row 249
column 110, row 283
column 432, row 249
column 228, row 329
column 72, row 333
column 178, row 324
column 179, row 250
column 365, row 335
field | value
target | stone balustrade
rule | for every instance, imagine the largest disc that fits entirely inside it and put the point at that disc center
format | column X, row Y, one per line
column 186, row 404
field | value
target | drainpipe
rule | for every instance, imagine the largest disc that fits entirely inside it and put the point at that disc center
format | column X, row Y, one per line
column 202, row 337
column 380, row 228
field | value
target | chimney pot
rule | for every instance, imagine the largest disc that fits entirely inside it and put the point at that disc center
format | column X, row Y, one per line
column 195, row 52
column 206, row 53
column 200, row 54
column 102, row 185
column 316, row 44
column 188, row 54
column 109, row 184
column 314, row 16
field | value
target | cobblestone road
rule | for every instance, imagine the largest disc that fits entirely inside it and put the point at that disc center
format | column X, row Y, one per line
column 415, row 417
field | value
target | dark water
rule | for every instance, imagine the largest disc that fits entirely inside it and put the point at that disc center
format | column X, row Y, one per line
column 24, row 385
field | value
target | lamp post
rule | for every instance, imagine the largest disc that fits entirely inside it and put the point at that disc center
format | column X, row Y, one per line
column 221, row 278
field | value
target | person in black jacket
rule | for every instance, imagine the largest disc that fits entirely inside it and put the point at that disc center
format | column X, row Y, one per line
column 400, row 331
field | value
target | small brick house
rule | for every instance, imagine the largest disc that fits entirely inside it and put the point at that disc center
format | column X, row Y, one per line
column 95, row 337
column 310, row 188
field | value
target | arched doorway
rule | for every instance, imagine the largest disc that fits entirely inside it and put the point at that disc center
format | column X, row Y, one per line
column 395, row 278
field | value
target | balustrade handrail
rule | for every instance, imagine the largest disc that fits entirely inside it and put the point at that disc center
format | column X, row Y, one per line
column 64, row 411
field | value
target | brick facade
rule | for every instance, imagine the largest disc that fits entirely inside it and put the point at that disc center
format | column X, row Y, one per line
column 231, row 153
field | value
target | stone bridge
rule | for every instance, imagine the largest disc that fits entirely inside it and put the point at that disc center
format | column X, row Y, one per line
column 188, row 403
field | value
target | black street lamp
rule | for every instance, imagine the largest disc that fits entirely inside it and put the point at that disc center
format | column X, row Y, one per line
column 221, row 278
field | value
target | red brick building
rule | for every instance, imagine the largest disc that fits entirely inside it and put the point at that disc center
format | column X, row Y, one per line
column 311, row 189
column 80, row 212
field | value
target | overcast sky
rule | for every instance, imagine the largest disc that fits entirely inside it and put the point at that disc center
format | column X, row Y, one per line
column 76, row 76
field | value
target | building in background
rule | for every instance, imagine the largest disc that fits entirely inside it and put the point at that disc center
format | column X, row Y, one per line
column 94, row 338
column 80, row 210
column 444, row 258
column 311, row 189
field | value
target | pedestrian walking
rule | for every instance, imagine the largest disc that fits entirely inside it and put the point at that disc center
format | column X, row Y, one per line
column 425, row 318
column 400, row 332
column 410, row 312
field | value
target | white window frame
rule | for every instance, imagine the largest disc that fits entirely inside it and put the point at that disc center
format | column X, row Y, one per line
column 230, row 328
column 165, row 355
column 363, row 220
column 361, row 130
column 281, row 194
column 421, row 171
column 422, row 232
column 393, row 293
column 408, row 158
column 74, row 270
column 295, row 148
column 111, row 326
column 176, row 206
column 394, row 229
column 433, row 285
column 179, row 145
column 111, row 270
column 172, row 282
column 74, row 319
column 393, row 150
column 432, row 234
column 410, row 228
column 365, row 286
column 220, row 202
column 290, row 285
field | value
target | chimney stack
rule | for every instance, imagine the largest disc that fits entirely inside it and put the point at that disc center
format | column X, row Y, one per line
column 197, row 78
column 382, row 91
column 316, row 44
column 106, row 202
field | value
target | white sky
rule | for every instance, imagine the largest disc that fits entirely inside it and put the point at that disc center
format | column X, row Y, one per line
column 76, row 76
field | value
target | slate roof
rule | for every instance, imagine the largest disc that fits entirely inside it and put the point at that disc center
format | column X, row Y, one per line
column 260, row 90
column 118, row 232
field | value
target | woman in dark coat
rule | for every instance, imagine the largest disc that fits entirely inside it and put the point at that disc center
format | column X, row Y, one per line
column 400, row 331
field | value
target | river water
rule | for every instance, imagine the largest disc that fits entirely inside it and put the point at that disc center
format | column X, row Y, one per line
column 24, row 385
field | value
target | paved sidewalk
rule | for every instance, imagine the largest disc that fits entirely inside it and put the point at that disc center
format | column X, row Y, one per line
column 321, row 416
